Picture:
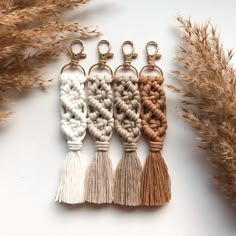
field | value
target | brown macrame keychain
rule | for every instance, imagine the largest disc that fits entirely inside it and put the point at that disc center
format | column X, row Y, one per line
column 128, row 126
column 155, row 188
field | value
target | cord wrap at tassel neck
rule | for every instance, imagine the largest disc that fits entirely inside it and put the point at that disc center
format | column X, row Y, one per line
column 130, row 147
column 155, row 146
column 102, row 146
column 74, row 145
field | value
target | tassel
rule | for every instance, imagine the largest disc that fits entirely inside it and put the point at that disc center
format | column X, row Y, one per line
column 155, row 179
column 128, row 177
column 71, row 187
column 99, row 177
column 73, row 125
column 127, row 184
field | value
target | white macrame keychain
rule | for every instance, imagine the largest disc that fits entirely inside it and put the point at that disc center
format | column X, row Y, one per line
column 73, row 126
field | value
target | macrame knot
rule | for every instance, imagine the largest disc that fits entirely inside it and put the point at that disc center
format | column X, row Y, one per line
column 127, row 108
column 102, row 146
column 99, row 177
column 130, row 147
column 74, row 145
column 128, row 127
column 155, row 146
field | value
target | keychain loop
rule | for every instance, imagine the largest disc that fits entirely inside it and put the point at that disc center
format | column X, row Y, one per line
column 103, row 57
column 127, row 57
column 75, row 57
column 151, row 58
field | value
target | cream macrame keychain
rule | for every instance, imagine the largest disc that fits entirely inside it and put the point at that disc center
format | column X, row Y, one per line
column 99, row 177
column 128, row 126
column 73, row 125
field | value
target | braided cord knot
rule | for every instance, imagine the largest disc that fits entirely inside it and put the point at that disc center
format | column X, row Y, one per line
column 127, row 109
column 100, row 108
column 73, row 111
column 154, row 107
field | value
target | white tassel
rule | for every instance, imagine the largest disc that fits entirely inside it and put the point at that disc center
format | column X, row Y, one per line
column 74, row 124
column 71, row 187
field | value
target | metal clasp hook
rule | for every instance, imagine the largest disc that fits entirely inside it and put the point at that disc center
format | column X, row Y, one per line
column 128, row 56
column 104, row 56
column 76, row 56
column 151, row 58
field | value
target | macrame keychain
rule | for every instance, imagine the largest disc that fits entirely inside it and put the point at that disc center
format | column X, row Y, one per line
column 128, row 126
column 99, row 177
column 155, row 179
column 73, row 125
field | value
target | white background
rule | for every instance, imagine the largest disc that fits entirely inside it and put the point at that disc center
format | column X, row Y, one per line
column 33, row 149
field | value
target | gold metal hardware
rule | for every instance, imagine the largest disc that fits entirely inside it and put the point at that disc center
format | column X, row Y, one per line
column 76, row 56
column 103, row 57
column 127, row 57
column 152, row 57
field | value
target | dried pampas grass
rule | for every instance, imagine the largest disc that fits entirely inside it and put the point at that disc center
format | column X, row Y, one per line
column 209, row 88
column 31, row 34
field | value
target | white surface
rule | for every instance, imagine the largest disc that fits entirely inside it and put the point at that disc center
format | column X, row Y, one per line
column 33, row 148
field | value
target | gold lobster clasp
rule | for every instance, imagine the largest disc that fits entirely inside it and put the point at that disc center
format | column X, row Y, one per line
column 128, row 56
column 75, row 56
column 152, row 57
column 103, row 56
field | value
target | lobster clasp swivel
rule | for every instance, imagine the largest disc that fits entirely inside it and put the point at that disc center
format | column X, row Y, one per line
column 104, row 56
column 152, row 57
column 128, row 56
column 76, row 56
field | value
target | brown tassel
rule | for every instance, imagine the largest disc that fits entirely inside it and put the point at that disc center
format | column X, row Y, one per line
column 155, row 179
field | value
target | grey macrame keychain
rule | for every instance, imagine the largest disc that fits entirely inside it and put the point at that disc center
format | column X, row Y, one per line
column 99, row 177
column 128, row 126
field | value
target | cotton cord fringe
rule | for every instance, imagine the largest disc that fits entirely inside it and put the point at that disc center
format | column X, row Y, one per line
column 128, row 126
column 99, row 177
column 155, row 179
column 73, row 126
